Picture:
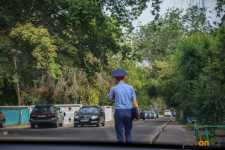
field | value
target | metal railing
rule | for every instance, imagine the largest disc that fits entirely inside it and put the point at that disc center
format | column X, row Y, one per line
column 206, row 129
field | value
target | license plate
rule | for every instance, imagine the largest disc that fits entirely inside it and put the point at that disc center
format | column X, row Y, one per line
column 42, row 116
column 84, row 120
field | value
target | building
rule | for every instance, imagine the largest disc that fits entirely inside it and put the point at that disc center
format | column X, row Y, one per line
column 159, row 108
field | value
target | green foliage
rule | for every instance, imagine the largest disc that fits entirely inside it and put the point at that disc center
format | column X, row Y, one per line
column 45, row 37
column 204, row 137
column 198, row 85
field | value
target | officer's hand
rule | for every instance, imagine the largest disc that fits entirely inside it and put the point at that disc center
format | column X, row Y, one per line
column 135, row 119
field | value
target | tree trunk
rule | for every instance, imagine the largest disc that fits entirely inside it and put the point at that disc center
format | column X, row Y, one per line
column 17, row 84
column 181, row 113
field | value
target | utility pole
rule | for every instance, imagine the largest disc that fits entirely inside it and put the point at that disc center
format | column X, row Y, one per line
column 17, row 83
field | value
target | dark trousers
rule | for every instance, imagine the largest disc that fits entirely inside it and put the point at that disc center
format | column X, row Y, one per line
column 123, row 120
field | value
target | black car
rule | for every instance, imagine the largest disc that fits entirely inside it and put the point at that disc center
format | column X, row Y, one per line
column 2, row 119
column 142, row 114
column 46, row 114
column 89, row 115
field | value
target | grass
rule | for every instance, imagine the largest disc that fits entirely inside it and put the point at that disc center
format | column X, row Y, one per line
column 185, row 127
column 204, row 137
column 220, row 129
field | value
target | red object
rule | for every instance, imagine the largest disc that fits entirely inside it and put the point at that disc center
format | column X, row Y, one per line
column 120, row 77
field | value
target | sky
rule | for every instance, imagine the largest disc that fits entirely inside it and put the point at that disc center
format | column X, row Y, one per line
column 146, row 16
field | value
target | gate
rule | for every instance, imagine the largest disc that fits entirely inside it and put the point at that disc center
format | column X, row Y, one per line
column 12, row 117
column 24, row 116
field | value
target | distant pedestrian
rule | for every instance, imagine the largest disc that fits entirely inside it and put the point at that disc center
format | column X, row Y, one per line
column 124, row 95
column 174, row 113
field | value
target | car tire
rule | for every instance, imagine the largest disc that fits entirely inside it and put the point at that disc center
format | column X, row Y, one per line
column 40, row 125
column 82, row 125
column 74, row 125
column 32, row 125
column 61, row 124
column 143, row 118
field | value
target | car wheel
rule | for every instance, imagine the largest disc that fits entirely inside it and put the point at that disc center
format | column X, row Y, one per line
column 75, row 125
column 40, row 125
column 61, row 124
column 143, row 118
column 32, row 125
column 82, row 125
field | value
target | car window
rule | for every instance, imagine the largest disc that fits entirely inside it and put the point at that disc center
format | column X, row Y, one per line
column 89, row 110
column 42, row 110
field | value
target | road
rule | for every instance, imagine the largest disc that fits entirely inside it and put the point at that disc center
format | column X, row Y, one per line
column 141, row 133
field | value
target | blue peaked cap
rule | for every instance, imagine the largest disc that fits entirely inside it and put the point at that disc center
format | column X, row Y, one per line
column 118, row 73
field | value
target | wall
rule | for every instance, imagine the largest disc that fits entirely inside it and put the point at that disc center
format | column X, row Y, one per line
column 18, row 115
column 15, row 115
column 109, row 112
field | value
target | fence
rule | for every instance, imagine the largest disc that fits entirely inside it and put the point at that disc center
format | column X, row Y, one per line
column 18, row 115
column 15, row 115
column 109, row 112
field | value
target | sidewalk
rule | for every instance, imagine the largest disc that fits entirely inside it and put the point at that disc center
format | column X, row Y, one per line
column 174, row 134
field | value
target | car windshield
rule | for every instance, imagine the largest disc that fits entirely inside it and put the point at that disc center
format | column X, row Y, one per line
column 88, row 110
column 42, row 110
column 167, row 111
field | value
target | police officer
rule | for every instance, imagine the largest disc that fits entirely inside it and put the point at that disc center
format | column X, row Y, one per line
column 124, row 95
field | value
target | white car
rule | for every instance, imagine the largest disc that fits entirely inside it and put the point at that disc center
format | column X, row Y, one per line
column 167, row 113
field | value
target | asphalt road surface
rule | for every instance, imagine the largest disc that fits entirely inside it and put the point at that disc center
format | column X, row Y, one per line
column 141, row 133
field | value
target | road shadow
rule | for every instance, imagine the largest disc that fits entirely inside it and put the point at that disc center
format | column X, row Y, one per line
column 85, row 126
column 44, row 126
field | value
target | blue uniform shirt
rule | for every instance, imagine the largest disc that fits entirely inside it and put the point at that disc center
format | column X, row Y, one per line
column 123, row 94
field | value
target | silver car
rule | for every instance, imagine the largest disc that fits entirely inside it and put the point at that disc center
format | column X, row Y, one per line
column 147, row 115
column 151, row 114
column 155, row 115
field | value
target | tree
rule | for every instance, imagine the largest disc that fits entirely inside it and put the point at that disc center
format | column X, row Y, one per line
column 45, row 37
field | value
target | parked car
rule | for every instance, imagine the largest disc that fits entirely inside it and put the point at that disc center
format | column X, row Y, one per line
column 46, row 114
column 89, row 115
column 142, row 114
column 2, row 119
column 167, row 113
column 154, row 114
column 147, row 115
column 151, row 114
column 157, row 114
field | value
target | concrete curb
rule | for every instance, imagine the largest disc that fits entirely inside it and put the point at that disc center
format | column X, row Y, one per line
column 111, row 122
column 152, row 140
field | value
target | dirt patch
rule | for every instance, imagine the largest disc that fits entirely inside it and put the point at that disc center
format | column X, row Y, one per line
column 19, row 126
column 191, row 137
column 220, row 138
column 110, row 123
